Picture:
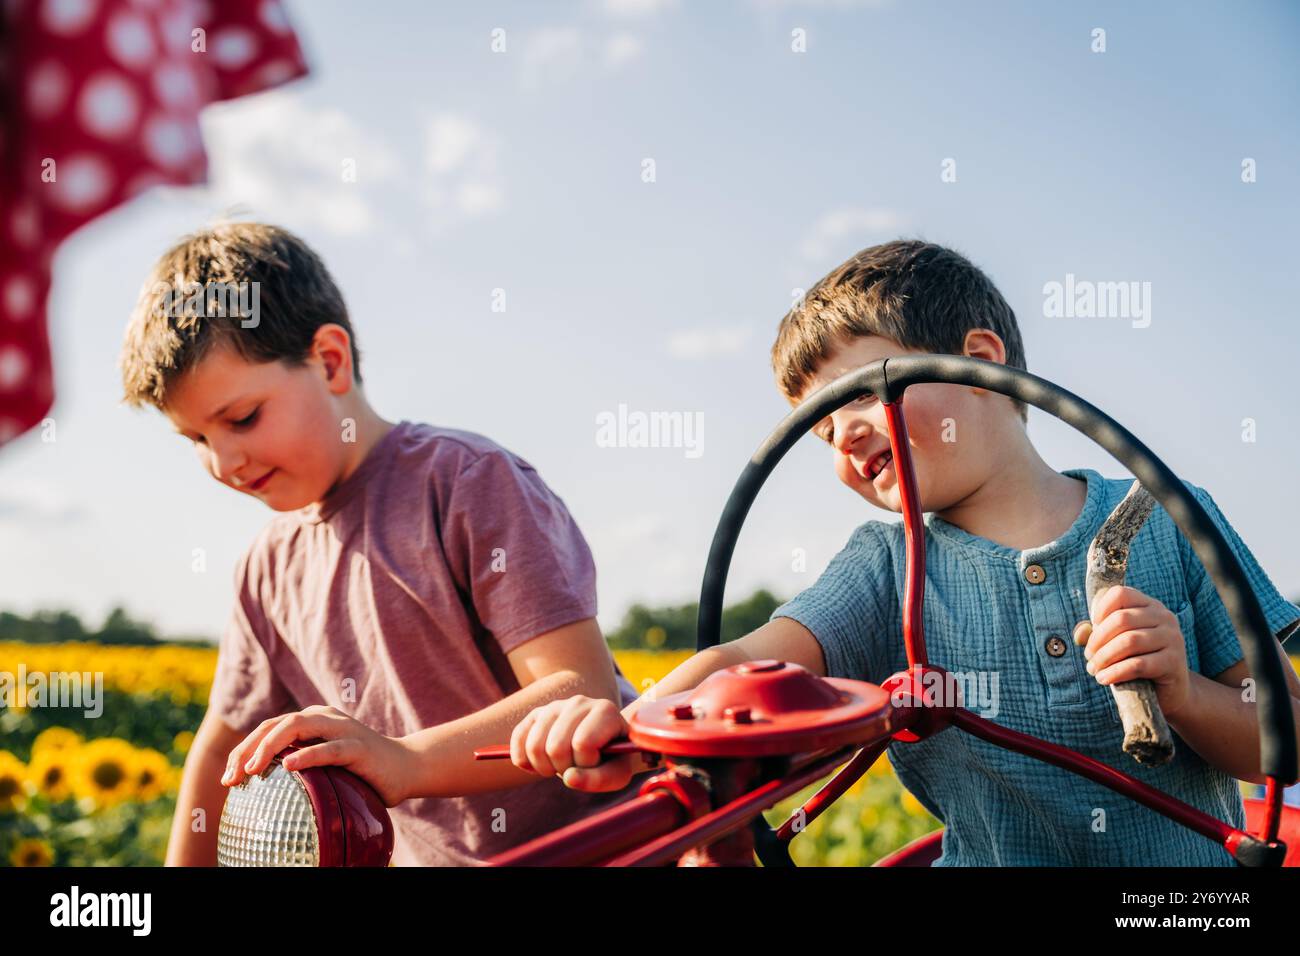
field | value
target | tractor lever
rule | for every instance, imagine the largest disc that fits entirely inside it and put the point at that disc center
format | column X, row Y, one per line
column 614, row 748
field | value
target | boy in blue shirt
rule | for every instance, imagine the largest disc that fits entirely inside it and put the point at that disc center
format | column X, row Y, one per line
column 1006, row 546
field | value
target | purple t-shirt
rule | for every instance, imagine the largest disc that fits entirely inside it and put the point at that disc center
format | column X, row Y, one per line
column 396, row 599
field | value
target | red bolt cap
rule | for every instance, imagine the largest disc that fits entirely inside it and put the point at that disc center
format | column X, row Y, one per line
column 762, row 708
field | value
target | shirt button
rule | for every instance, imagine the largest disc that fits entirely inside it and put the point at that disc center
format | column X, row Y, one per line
column 1055, row 646
column 1034, row 574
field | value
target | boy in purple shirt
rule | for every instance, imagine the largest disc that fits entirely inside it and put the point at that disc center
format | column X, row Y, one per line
column 420, row 591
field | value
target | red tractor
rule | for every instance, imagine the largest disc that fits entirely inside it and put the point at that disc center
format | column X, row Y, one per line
column 750, row 736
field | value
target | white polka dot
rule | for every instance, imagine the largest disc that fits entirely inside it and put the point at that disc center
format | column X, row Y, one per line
column 177, row 30
column 109, row 106
column 233, row 47
column 25, row 224
column 13, row 368
column 19, row 298
column 48, row 86
column 66, row 17
column 175, row 86
column 83, row 183
column 130, row 40
column 271, row 13
column 171, row 142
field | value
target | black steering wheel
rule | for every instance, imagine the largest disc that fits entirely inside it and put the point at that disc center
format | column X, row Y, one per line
column 888, row 378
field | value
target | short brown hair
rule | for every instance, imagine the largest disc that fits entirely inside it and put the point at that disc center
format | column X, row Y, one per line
column 920, row 295
column 295, row 296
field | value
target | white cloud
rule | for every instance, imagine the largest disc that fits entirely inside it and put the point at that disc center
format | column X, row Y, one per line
column 463, row 180
column 26, row 502
column 822, row 4
column 843, row 227
column 636, row 9
column 622, row 48
column 275, row 158
column 477, row 199
column 707, row 343
column 549, row 53
column 284, row 160
column 556, row 54
column 448, row 141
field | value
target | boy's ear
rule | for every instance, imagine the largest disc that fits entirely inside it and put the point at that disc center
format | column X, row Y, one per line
column 333, row 347
column 986, row 344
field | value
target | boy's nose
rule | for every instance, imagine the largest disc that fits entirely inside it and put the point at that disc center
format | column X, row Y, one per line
column 848, row 431
column 225, row 461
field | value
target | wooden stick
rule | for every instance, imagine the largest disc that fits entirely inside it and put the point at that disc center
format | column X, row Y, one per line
column 1146, row 733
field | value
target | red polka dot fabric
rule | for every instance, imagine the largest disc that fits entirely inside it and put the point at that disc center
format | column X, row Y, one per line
column 101, row 100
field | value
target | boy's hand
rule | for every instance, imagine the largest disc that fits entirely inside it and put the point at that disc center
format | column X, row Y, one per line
column 564, row 738
column 381, row 761
column 1133, row 636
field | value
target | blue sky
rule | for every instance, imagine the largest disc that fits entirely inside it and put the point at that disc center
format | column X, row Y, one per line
column 523, row 171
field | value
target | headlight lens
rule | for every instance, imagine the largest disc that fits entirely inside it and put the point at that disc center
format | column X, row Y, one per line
column 268, row 821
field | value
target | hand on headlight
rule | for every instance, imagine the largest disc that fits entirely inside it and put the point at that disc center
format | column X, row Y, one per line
column 381, row 761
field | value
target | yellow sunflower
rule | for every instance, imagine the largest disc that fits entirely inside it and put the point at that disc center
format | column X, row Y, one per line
column 13, row 776
column 32, row 852
column 183, row 741
column 50, row 772
column 913, row 806
column 881, row 768
column 104, row 771
column 56, row 738
column 152, row 774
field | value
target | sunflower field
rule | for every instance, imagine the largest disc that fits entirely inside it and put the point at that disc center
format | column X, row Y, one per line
column 76, row 791
column 83, row 791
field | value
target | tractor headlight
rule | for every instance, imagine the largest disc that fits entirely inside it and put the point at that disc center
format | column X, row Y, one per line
column 319, row 816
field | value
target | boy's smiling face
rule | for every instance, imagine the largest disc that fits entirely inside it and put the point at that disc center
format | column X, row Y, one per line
column 944, row 425
column 268, row 429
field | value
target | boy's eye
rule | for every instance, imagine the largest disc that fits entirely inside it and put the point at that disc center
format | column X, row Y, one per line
column 827, row 432
column 248, row 419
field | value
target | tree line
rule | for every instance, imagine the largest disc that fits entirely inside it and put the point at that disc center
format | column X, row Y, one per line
column 642, row 627
column 673, row 628
column 56, row 627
